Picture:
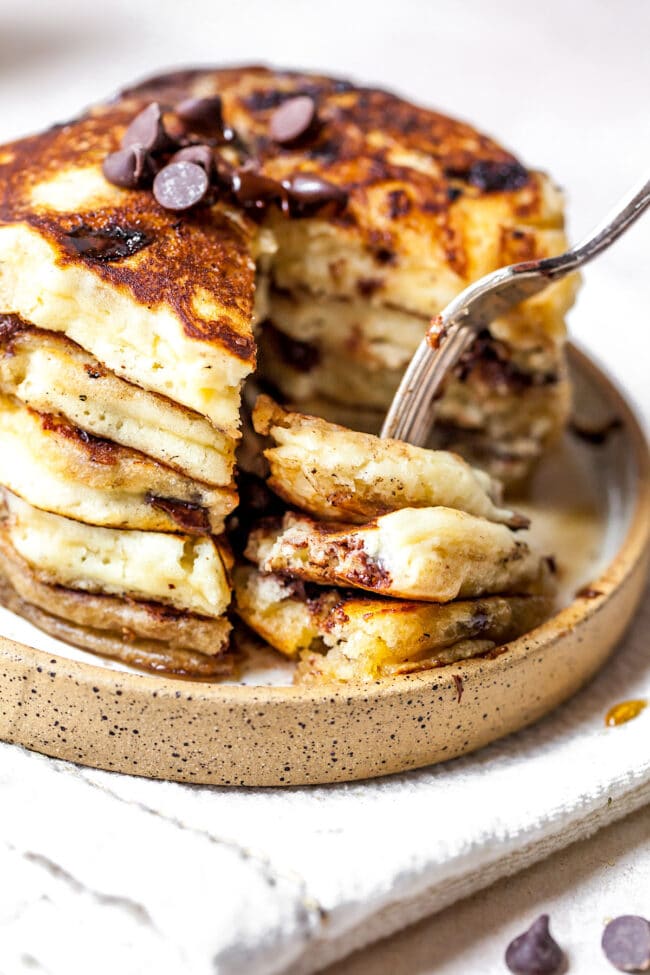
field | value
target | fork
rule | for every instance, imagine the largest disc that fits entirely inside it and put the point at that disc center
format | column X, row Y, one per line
column 451, row 333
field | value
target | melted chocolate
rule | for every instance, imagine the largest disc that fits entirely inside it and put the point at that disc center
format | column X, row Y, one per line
column 301, row 356
column 107, row 244
column 191, row 517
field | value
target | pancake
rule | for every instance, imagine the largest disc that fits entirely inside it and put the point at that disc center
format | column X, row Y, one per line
column 182, row 571
column 302, row 374
column 432, row 203
column 347, row 636
column 53, row 375
column 172, row 313
column 59, row 468
column 337, row 474
column 133, row 619
column 431, row 554
column 372, row 336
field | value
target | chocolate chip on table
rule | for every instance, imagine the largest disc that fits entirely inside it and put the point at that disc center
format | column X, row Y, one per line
column 147, row 130
column 199, row 154
column 203, row 114
column 309, row 193
column 129, row 168
column 626, row 943
column 293, row 120
column 180, row 185
column 535, row 952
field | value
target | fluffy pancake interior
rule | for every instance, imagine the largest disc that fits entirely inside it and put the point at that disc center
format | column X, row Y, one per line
column 345, row 636
column 144, row 344
column 335, row 473
column 433, row 554
column 53, row 375
column 57, row 468
column 183, row 571
column 371, row 335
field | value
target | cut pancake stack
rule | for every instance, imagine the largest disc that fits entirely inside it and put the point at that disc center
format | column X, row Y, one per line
column 150, row 248
column 398, row 559
column 349, row 290
column 125, row 334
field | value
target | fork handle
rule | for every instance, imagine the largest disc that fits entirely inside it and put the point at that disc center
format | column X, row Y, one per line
column 628, row 210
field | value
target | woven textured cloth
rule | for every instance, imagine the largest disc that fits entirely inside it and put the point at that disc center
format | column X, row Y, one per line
column 201, row 880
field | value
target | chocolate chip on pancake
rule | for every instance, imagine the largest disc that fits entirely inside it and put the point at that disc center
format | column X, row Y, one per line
column 193, row 518
column 130, row 168
column 498, row 177
column 108, row 243
column 293, row 121
column 199, row 154
column 147, row 130
column 309, row 193
column 202, row 114
column 180, row 185
column 253, row 189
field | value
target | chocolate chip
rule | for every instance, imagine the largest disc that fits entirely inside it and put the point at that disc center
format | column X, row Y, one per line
column 626, row 943
column 309, row 193
column 294, row 120
column 535, row 952
column 147, row 130
column 202, row 114
column 199, row 154
column 180, row 185
column 300, row 355
column 129, row 168
column 492, row 177
column 253, row 189
column 107, row 243
column 191, row 517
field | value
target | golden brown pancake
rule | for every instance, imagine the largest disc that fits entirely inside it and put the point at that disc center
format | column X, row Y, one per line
column 341, row 635
column 51, row 374
column 337, row 474
column 432, row 554
column 173, row 314
column 136, row 619
column 59, row 468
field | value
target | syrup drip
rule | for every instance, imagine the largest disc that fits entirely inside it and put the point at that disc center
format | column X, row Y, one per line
column 624, row 711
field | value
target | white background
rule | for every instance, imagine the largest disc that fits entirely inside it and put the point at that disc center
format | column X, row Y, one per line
column 567, row 86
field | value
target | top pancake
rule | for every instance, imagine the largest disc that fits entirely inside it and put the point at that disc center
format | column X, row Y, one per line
column 432, row 203
column 175, row 315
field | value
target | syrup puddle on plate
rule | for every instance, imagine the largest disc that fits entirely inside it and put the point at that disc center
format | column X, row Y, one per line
column 625, row 711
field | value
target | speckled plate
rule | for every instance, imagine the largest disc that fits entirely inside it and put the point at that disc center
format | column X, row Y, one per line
column 591, row 505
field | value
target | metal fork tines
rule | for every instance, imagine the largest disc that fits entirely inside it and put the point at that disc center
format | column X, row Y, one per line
column 411, row 413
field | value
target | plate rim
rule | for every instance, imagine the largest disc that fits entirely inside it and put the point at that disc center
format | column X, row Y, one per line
column 632, row 550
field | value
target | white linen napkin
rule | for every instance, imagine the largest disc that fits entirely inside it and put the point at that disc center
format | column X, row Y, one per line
column 141, row 876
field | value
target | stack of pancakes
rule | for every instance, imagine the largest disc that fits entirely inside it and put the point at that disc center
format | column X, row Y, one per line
column 432, row 205
column 125, row 335
column 390, row 559
column 128, row 329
